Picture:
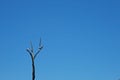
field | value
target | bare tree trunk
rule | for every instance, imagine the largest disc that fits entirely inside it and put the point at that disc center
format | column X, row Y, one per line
column 33, row 70
column 33, row 56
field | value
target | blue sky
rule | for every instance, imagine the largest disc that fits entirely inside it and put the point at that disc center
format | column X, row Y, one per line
column 81, row 39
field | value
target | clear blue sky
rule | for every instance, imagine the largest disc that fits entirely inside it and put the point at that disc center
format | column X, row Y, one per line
column 81, row 39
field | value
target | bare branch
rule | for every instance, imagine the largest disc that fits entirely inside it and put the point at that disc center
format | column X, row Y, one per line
column 39, row 49
column 38, row 52
column 29, row 51
column 31, row 47
column 40, row 43
column 33, row 56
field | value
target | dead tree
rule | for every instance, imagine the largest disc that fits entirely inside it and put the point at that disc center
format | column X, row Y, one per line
column 33, row 56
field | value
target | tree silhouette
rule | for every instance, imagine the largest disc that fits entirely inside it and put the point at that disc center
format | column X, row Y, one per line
column 33, row 56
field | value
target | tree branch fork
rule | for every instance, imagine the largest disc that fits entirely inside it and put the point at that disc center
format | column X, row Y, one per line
column 33, row 56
